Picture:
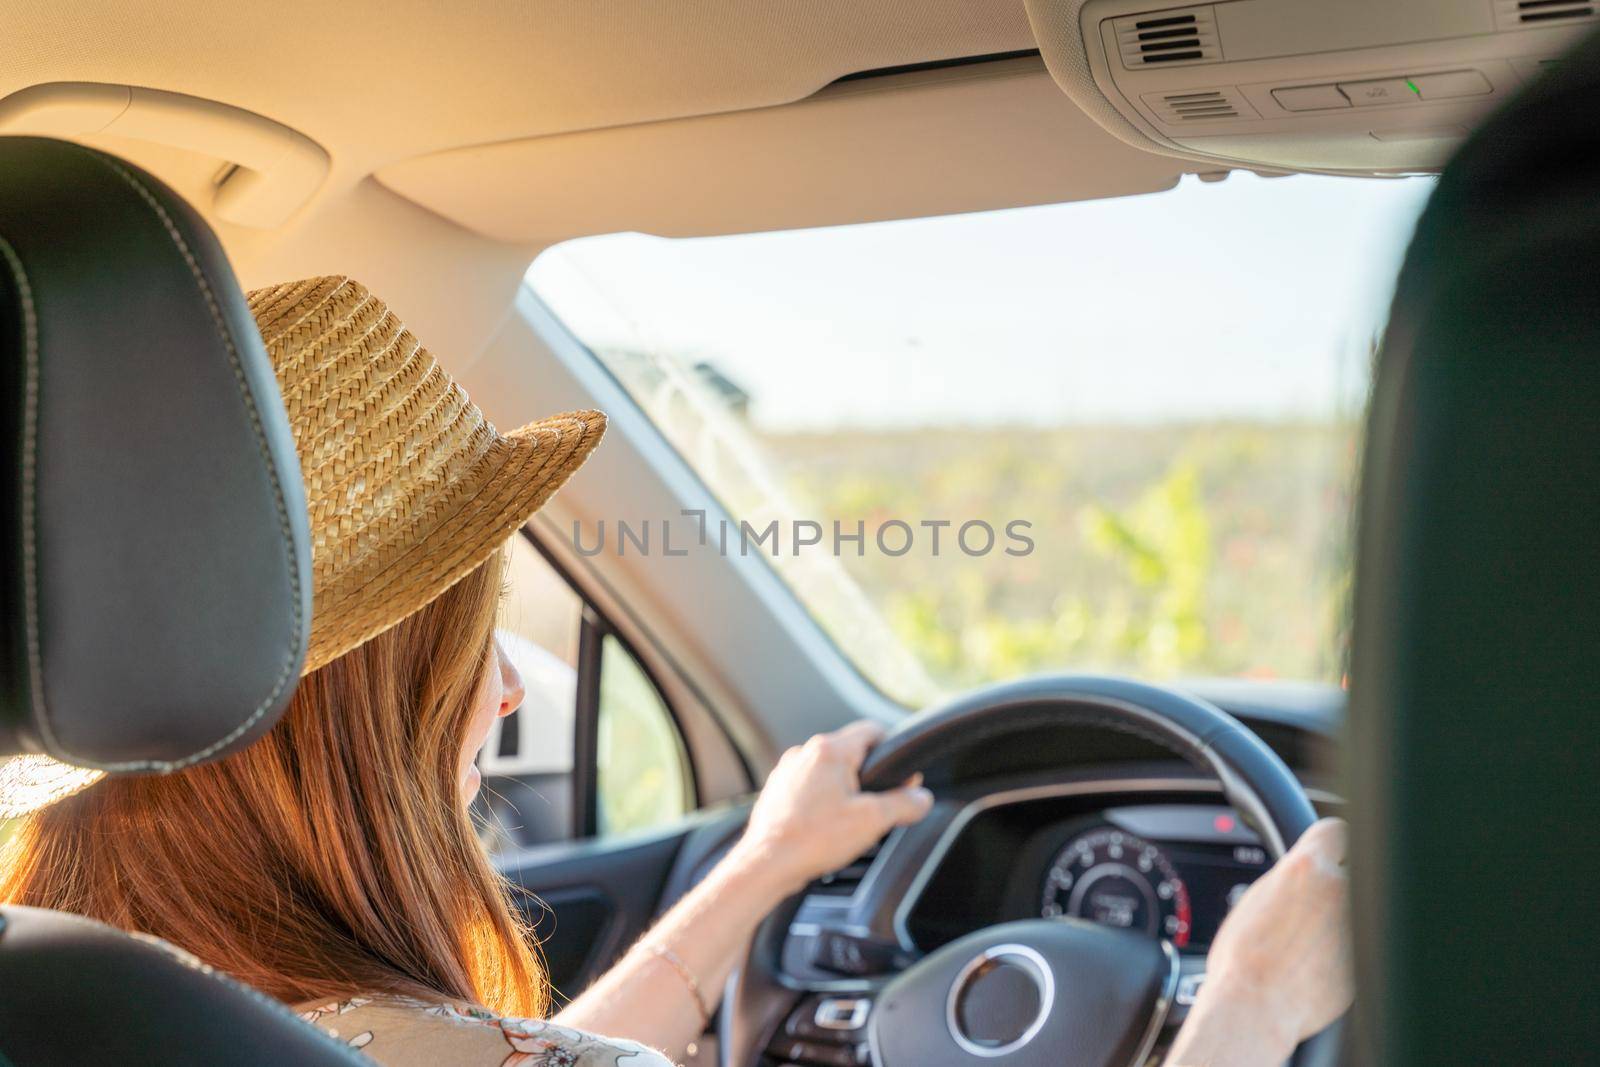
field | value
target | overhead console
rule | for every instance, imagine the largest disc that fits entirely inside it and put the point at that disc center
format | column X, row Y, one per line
column 1357, row 86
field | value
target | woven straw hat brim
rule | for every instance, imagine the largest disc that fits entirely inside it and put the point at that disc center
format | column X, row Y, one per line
column 408, row 486
column 521, row 471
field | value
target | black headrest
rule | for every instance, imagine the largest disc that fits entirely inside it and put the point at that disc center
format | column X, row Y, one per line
column 155, row 590
column 72, row 984
column 1475, row 734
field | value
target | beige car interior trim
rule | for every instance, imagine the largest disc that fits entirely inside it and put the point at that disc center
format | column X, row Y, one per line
column 374, row 84
column 270, row 170
column 969, row 138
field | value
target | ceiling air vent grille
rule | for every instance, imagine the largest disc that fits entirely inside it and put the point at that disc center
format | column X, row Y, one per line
column 1521, row 14
column 1176, row 38
column 1192, row 107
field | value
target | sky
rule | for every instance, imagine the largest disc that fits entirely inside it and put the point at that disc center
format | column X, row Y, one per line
column 1250, row 297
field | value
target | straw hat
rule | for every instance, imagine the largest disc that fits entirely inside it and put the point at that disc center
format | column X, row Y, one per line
column 409, row 487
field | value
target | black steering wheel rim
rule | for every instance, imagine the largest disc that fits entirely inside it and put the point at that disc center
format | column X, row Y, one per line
column 1254, row 780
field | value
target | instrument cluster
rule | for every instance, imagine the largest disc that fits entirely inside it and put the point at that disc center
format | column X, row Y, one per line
column 1178, row 889
column 1168, row 870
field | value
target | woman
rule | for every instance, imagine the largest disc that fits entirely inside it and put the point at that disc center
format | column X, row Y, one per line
column 333, row 863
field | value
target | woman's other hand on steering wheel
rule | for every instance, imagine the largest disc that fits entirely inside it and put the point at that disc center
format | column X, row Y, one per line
column 812, row 816
column 1282, row 957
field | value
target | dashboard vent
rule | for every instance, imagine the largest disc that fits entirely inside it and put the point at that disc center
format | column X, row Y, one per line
column 1515, row 14
column 1191, row 107
column 1181, row 37
column 843, row 882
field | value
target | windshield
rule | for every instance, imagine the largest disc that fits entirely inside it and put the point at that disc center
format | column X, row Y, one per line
column 1116, row 435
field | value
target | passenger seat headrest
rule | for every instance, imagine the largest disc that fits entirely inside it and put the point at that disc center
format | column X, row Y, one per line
column 1475, row 660
column 155, row 590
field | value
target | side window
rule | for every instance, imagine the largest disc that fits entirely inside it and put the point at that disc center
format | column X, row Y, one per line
column 641, row 770
column 594, row 748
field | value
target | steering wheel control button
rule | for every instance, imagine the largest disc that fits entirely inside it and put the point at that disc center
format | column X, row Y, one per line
column 839, row 1014
column 827, row 1031
column 999, row 1000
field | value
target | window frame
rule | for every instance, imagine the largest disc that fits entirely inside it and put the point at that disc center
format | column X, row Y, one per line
column 593, row 628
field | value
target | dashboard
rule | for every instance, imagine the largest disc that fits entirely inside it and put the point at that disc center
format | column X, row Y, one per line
column 1154, row 850
column 1164, row 869
column 1047, row 821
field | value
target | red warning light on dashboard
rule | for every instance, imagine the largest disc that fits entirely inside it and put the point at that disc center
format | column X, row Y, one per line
column 1224, row 824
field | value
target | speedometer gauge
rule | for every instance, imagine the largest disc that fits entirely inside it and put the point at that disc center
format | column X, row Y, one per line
column 1115, row 879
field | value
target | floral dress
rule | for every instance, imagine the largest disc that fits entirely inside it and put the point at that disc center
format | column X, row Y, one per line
column 411, row 1033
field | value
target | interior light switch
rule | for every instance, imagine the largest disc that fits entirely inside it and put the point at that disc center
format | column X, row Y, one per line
column 1380, row 91
column 1310, row 98
column 1452, row 83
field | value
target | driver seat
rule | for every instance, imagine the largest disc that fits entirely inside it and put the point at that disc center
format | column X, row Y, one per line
column 154, row 574
column 1474, row 731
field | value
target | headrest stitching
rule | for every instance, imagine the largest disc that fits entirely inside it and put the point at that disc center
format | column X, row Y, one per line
column 286, row 674
column 30, row 418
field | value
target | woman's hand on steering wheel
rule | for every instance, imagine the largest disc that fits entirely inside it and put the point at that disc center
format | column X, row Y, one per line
column 1282, row 957
column 812, row 816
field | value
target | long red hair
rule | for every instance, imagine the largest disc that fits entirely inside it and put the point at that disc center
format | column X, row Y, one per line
column 333, row 857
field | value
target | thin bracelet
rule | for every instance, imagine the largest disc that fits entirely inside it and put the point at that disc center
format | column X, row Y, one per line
column 689, row 980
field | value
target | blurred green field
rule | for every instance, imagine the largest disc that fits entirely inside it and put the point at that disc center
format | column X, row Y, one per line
column 1215, row 548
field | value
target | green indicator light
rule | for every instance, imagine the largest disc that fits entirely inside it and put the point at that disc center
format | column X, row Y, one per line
column 1413, row 86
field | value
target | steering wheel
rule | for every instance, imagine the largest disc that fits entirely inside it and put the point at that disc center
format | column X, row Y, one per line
column 1039, row 992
